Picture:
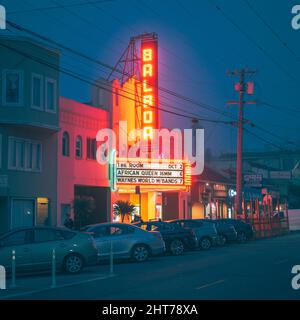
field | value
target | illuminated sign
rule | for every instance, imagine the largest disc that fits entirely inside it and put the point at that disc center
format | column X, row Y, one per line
column 145, row 173
column 149, row 72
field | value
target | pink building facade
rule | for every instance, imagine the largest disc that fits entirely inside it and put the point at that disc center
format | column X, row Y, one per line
column 79, row 174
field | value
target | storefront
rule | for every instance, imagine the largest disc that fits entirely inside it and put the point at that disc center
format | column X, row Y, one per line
column 210, row 196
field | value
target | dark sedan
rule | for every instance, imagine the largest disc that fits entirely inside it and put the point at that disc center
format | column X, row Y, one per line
column 244, row 230
column 177, row 239
column 226, row 232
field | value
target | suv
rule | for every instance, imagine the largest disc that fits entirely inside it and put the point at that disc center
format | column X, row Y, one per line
column 205, row 232
column 177, row 239
column 244, row 230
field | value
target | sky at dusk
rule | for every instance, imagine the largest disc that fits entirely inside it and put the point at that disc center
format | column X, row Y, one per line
column 197, row 45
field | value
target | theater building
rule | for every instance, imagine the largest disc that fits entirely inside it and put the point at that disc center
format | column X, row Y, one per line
column 160, row 188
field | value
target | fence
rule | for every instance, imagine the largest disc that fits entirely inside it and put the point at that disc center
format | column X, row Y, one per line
column 270, row 227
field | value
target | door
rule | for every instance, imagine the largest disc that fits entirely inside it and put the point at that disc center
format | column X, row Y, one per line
column 22, row 213
column 45, row 240
column 20, row 242
column 123, row 239
column 117, row 235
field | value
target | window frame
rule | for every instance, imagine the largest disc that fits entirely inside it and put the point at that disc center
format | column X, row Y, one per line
column 53, row 81
column 67, row 155
column 21, row 88
column 41, row 78
column 28, row 237
column 91, row 153
column 81, row 147
column 53, row 231
column 13, row 140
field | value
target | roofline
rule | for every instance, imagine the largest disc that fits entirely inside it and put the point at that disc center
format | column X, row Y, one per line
column 32, row 41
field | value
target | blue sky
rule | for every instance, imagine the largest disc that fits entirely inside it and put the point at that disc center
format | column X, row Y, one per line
column 197, row 45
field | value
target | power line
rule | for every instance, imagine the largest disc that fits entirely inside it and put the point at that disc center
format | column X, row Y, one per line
column 271, row 29
column 78, row 4
column 281, row 109
column 205, row 106
column 94, row 83
column 258, row 46
column 105, row 65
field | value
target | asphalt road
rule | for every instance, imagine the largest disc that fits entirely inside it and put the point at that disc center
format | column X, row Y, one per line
column 255, row 270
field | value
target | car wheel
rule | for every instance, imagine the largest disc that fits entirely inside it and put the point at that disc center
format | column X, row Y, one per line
column 176, row 247
column 73, row 263
column 140, row 253
column 241, row 238
column 222, row 240
column 205, row 244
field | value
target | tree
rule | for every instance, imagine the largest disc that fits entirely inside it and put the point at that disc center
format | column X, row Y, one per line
column 83, row 207
column 123, row 209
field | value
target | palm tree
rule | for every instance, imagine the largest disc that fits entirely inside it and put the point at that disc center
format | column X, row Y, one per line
column 83, row 206
column 123, row 209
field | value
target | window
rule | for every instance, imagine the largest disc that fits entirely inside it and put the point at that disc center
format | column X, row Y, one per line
column 78, row 151
column 66, row 144
column 91, row 149
column 100, row 232
column 67, row 235
column 37, row 91
column 24, row 155
column 44, row 235
column 120, row 230
column 50, row 95
column 17, row 239
column 12, row 90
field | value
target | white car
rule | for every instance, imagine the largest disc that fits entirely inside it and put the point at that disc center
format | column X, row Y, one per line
column 126, row 241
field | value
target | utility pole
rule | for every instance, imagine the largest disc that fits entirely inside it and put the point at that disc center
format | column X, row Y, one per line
column 243, row 88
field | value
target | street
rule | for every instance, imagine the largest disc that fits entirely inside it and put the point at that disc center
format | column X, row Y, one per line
column 254, row 270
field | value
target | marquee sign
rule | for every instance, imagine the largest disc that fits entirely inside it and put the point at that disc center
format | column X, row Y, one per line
column 149, row 74
column 146, row 173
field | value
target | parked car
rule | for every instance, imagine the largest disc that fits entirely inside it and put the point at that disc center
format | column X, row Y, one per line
column 177, row 239
column 206, row 232
column 244, row 230
column 126, row 241
column 34, row 246
column 226, row 231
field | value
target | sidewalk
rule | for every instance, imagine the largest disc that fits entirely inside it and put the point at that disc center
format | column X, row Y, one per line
column 43, row 282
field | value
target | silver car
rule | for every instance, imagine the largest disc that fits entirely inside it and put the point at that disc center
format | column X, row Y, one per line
column 205, row 232
column 126, row 241
column 33, row 248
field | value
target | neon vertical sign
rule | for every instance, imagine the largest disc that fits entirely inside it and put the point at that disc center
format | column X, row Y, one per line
column 149, row 72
